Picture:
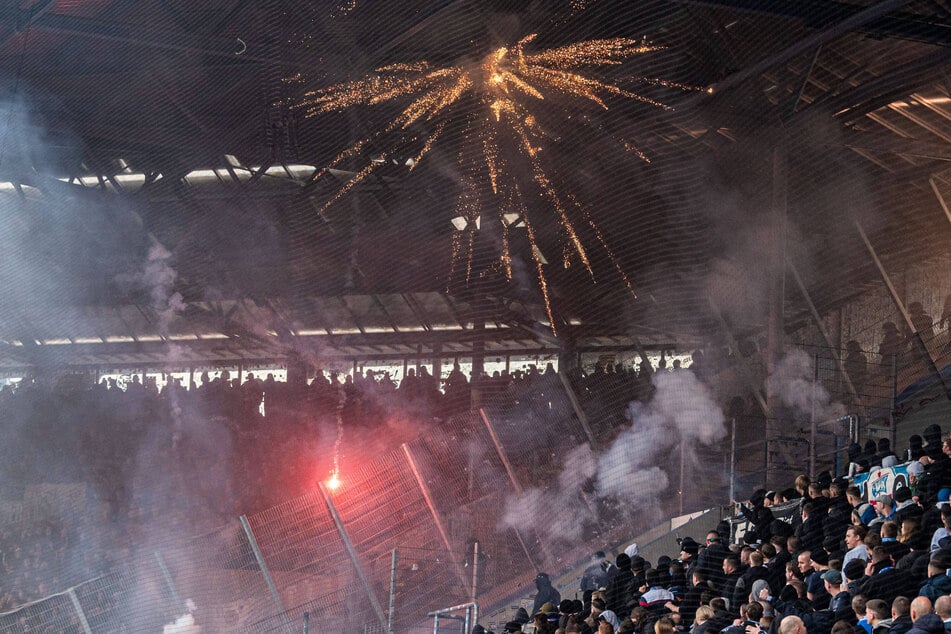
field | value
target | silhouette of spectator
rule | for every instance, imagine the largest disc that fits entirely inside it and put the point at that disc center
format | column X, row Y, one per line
column 891, row 346
column 923, row 322
column 856, row 366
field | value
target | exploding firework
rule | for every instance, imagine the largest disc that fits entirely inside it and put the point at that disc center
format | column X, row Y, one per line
column 497, row 99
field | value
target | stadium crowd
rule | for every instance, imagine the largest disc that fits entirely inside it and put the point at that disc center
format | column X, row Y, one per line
column 814, row 558
column 189, row 457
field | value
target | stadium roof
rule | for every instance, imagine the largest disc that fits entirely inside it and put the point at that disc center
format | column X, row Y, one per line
column 131, row 123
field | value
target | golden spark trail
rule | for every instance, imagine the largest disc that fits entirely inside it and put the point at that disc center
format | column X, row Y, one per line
column 353, row 182
column 454, row 256
column 604, row 244
column 590, row 53
column 654, row 81
column 353, row 150
column 506, row 253
column 539, row 267
column 428, row 145
column 472, row 231
column 633, row 149
column 545, row 185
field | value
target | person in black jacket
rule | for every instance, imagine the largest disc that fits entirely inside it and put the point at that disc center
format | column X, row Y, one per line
column 710, row 560
column 619, row 597
column 887, row 582
column 546, row 592
column 810, row 531
column 758, row 515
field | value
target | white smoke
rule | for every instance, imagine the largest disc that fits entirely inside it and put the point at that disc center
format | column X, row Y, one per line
column 159, row 277
column 682, row 413
column 185, row 624
column 793, row 381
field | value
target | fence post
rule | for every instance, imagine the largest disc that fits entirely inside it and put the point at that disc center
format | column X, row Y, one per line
column 475, row 584
column 168, row 580
column 813, row 424
column 391, row 617
column 352, row 553
column 264, row 569
column 733, row 461
column 79, row 610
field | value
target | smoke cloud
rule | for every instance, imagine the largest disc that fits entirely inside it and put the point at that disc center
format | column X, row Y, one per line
column 793, row 381
column 630, row 475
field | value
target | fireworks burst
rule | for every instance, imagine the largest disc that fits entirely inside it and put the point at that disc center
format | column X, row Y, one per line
column 496, row 98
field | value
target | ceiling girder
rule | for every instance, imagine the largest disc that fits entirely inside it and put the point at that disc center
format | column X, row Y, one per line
column 816, row 13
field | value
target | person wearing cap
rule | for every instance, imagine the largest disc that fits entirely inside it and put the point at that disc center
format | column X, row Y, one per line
column 884, row 509
column 689, row 550
column 832, row 579
column 546, row 593
column 815, row 588
column 546, row 619
column 512, row 627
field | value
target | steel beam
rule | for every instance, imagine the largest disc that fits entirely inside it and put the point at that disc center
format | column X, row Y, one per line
column 846, row 24
column 817, row 319
column 352, row 553
column 579, row 412
column 941, row 199
column 437, row 518
column 814, row 12
column 259, row 558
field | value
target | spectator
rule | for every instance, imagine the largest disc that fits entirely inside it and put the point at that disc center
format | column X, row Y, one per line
column 546, row 593
column 924, row 619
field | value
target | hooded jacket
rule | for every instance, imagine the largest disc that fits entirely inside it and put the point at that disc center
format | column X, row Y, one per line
column 936, row 586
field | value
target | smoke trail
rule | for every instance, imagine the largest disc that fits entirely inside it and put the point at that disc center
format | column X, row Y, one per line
column 159, row 277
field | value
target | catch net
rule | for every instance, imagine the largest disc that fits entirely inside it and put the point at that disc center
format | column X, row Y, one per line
column 367, row 313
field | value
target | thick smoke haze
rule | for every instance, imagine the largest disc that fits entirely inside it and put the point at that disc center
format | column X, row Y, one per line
column 630, row 475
